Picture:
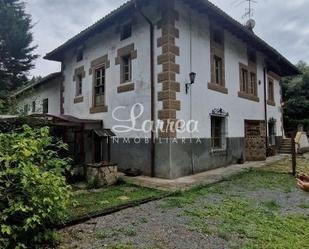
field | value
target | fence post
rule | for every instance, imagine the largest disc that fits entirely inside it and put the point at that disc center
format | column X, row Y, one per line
column 293, row 153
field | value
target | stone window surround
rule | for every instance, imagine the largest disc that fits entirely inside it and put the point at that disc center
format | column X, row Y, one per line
column 251, row 68
column 95, row 64
column 124, row 51
column 217, row 50
column 270, row 102
column 78, row 71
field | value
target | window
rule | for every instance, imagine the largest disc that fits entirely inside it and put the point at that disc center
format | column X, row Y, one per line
column 33, row 107
column 252, row 56
column 26, row 109
column 218, row 36
column 218, row 132
column 80, row 55
column 218, row 70
column 126, row 31
column 45, row 105
column 79, row 84
column 126, row 70
column 244, row 80
column 99, row 87
column 271, row 96
column 252, row 85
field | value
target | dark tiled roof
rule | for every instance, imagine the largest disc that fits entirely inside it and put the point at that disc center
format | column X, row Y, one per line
column 286, row 68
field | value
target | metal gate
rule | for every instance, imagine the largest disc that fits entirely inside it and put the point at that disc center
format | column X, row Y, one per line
column 255, row 140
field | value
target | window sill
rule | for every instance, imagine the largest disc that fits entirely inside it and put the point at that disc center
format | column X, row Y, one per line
column 217, row 88
column 248, row 96
column 78, row 99
column 126, row 87
column 98, row 109
column 270, row 102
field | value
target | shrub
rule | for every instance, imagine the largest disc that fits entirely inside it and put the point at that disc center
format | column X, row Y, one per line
column 33, row 192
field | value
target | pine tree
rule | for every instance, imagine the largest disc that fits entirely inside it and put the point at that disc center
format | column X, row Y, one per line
column 16, row 49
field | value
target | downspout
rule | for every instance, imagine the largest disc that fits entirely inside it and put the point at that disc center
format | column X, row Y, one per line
column 265, row 104
column 152, row 89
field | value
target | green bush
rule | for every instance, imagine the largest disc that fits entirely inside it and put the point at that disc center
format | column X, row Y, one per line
column 33, row 192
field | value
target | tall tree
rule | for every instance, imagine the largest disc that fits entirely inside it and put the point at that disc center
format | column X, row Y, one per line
column 296, row 99
column 16, row 49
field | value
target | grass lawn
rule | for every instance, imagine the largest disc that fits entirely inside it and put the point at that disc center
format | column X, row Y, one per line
column 93, row 201
column 251, row 210
column 257, row 209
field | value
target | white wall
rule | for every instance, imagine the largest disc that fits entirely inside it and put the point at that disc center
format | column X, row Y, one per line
column 104, row 43
column 204, row 100
column 49, row 90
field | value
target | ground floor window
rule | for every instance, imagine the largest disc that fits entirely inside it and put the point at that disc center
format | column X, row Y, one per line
column 218, row 136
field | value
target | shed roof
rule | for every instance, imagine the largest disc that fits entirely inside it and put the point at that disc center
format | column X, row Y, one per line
column 276, row 62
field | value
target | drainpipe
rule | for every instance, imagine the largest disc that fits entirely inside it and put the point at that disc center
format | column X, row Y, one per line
column 265, row 104
column 152, row 83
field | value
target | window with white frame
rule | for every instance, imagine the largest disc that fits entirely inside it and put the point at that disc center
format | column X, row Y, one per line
column 218, row 132
column 126, row 69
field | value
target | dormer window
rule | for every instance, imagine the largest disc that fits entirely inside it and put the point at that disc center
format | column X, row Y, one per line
column 80, row 55
column 126, row 30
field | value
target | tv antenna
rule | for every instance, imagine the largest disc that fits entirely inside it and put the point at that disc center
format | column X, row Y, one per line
column 249, row 12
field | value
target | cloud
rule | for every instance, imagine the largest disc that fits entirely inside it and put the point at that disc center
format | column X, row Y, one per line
column 283, row 24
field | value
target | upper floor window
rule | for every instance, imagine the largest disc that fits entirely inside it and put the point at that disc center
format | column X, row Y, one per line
column 252, row 84
column 80, row 55
column 99, row 86
column 244, row 80
column 126, row 69
column 218, row 70
column 126, row 31
column 248, row 81
column 33, row 107
column 271, row 95
column 218, row 36
column 79, row 84
column 218, row 136
column 45, row 105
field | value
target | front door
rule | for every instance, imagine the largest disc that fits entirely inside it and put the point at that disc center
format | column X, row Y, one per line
column 255, row 140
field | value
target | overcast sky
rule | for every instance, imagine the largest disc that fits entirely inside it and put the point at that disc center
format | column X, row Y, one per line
column 284, row 24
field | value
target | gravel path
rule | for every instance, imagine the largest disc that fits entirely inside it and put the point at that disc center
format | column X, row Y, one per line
column 153, row 226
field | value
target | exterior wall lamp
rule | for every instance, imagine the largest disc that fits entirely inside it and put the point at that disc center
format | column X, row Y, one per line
column 192, row 80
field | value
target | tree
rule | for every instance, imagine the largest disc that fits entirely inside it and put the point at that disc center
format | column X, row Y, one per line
column 33, row 191
column 296, row 99
column 16, row 50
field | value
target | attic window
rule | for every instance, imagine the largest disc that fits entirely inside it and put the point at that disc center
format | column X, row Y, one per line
column 218, row 36
column 80, row 55
column 252, row 56
column 126, row 31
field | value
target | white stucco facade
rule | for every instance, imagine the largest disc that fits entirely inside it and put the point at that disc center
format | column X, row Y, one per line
column 49, row 90
column 182, row 38
column 194, row 43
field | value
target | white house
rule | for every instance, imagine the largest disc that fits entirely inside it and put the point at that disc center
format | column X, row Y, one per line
column 145, row 55
column 42, row 96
